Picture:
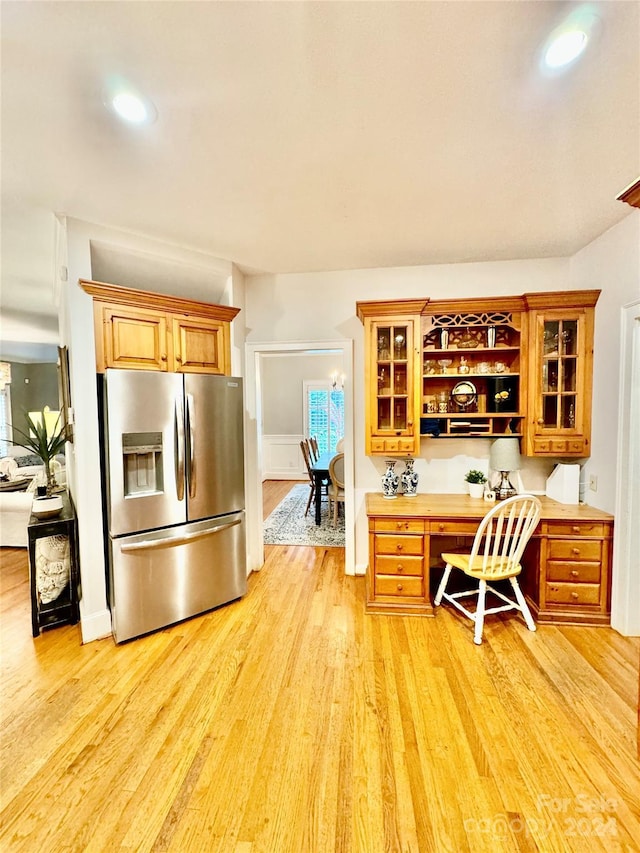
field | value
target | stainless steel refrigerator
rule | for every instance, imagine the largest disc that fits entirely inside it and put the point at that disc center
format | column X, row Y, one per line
column 174, row 462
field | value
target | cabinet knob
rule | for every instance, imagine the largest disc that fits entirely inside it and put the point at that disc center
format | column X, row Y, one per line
column 574, row 595
column 399, row 547
column 410, row 423
column 540, row 421
column 576, row 528
column 400, row 567
column 441, row 527
column 575, row 552
column 401, row 524
column 163, row 357
column 574, row 574
column 400, row 587
column 178, row 359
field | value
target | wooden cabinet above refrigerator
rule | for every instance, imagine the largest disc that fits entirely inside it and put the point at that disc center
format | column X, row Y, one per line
column 142, row 330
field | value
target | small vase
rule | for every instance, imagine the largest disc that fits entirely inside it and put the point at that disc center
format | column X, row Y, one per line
column 409, row 479
column 390, row 481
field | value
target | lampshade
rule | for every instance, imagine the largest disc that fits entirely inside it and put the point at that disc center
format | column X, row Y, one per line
column 504, row 455
column 52, row 421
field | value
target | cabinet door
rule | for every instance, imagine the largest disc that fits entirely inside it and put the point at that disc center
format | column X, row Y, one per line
column 200, row 345
column 560, row 382
column 393, row 427
column 133, row 338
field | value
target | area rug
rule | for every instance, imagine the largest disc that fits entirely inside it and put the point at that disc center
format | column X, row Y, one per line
column 287, row 524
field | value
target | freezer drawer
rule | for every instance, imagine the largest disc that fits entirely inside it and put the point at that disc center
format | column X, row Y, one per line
column 165, row 576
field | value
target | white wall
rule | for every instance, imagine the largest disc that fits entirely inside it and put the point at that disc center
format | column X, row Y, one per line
column 282, row 388
column 612, row 264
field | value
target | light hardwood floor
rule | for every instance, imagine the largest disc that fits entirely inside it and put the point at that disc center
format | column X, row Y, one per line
column 273, row 492
column 291, row 722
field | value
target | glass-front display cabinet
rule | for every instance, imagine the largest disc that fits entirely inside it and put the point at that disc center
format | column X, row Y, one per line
column 560, row 375
column 392, row 401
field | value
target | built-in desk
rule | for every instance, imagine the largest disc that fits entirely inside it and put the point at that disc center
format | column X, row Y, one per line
column 566, row 573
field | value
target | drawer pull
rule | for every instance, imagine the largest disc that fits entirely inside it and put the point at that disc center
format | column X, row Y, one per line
column 401, row 524
column 399, row 547
column 400, row 587
column 441, row 527
column 574, row 574
column 574, row 595
column 576, row 551
column 400, row 567
column 575, row 528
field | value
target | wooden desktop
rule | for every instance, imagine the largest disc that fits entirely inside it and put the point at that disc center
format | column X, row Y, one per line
column 566, row 574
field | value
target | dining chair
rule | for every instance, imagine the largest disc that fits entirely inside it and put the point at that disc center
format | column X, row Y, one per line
column 495, row 555
column 336, row 486
column 312, row 483
column 313, row 447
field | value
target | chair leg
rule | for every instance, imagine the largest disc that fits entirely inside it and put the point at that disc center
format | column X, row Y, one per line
column 311, row 494
column 335, row 513
column 479, row 620
column 524, row 607
column 443, row 584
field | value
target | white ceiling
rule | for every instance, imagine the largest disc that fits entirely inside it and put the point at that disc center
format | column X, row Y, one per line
column 299, row 136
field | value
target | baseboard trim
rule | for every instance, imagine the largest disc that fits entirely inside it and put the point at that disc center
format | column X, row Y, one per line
column 95, row 626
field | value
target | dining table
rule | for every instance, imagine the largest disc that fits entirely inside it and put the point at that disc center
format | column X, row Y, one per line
column 320, row 473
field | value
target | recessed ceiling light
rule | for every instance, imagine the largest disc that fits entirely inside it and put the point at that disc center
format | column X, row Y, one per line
column 129, row 107
column 565, row 48
column 120, row 97
column 568, row 40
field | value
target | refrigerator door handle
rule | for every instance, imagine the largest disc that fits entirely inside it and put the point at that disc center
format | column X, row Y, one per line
column 179, row 449
column 171, row 541
column 192, row 443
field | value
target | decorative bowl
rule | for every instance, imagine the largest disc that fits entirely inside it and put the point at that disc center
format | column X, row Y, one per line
column 47, row 507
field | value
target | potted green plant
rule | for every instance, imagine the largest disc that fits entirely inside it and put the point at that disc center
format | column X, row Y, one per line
column 45, row 443
column 476, row 480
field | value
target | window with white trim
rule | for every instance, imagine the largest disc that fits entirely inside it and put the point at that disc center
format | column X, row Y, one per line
column 324, row 414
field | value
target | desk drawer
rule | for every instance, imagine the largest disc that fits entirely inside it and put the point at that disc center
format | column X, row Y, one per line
column 575, row 549
column 399, row 565
column 570, row 593
column 399, row 544
column 573, row 572
column 399, row 525
column 403, row 587
column 575, row 528
column 466, row 528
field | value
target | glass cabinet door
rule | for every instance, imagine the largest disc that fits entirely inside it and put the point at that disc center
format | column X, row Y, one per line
column 561, row 371
column 393, row 365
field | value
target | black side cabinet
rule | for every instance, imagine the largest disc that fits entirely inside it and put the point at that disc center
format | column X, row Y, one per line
column 64, row 609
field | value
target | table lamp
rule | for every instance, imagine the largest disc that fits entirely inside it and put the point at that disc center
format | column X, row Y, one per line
column 504, row 457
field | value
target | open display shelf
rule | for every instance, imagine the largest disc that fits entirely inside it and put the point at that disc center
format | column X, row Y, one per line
column 471, row 375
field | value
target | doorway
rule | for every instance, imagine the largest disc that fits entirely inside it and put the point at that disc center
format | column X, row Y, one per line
column 255, row 354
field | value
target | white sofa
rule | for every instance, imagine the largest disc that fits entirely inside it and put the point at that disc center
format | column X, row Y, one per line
column 15, row 507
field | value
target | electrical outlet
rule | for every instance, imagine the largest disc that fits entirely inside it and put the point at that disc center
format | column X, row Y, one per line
column 593, row 483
